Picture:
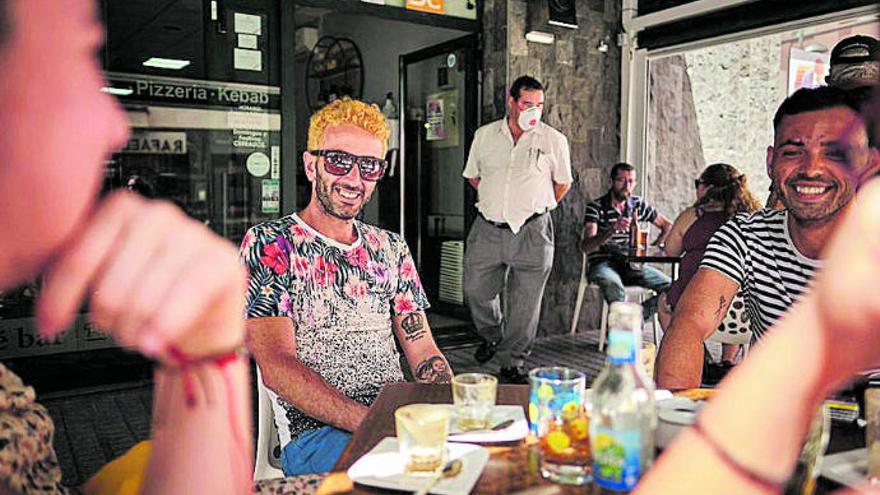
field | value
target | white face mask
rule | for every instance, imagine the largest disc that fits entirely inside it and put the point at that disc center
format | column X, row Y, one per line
column 529, row 118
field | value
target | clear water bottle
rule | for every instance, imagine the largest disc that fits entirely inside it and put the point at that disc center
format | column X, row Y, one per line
column 624, row 419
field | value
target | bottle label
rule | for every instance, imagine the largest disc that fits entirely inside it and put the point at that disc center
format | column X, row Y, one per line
column 616, row 458
column 621, row 346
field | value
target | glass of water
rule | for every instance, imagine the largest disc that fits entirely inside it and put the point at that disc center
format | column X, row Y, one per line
column 421, row 434
column 474, row 397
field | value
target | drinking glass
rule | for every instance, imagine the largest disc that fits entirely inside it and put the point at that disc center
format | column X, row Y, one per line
column 642, row 243
column 421, row 433
column 474, row 397
column 872, row 432
column 557, row 417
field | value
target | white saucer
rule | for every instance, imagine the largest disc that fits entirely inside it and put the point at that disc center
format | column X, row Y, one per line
column 383, row 467
column 516, row 431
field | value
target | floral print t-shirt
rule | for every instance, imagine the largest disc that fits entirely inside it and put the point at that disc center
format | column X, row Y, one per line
column 341, row 299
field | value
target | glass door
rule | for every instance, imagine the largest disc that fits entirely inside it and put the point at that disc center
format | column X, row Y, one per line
column 438, row 117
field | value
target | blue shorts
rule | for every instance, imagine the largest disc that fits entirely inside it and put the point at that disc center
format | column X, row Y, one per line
column 315, row 451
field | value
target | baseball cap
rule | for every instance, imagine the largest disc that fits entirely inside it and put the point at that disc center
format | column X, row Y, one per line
column 855, row 49
column 855, row 63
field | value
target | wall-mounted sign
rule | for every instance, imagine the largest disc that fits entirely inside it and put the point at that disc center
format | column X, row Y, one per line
column 156, row 143
column 271, row 196
column 806, row 69
column 247, row 23
column 258, row 164
column 431, row 6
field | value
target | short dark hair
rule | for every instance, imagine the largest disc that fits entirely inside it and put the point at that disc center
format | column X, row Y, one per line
column 621, row 166
column 527, row 83
column 813, row 99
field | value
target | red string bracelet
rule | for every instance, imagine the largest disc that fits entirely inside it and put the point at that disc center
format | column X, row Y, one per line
column 744, row 471
column 222, row 361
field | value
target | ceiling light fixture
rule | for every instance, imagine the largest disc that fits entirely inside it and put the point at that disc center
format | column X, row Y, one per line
column 166, row 63
column 540, row 37
column 117, row 91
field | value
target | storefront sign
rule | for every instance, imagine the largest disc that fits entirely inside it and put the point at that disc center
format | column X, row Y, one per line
column 157, row 143
column 19, row 337
column 431, row 6
column 155, row 90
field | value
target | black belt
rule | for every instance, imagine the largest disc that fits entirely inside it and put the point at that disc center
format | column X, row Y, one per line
column 502, row 225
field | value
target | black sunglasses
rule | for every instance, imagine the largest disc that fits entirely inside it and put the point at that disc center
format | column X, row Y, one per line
column 698, row 183
column 338, row 162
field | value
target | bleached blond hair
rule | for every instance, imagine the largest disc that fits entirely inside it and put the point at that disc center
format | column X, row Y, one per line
column 352, row 112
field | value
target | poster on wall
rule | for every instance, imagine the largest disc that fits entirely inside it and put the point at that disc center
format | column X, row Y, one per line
column 441, row 119
column 271, row 195
column 806, row 69
column 434, row 118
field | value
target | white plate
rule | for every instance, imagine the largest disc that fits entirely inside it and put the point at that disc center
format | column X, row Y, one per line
column 673, row 416
column 383, row 467
column 848, row 468
column 517, row 431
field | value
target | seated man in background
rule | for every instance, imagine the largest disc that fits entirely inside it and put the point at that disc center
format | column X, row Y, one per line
column 606, row 236
column 327, row 291
column 819, row 154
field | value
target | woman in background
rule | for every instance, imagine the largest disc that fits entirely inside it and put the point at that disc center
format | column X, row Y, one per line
column 722, row 192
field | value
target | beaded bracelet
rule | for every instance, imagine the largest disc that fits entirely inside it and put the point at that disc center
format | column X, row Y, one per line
column 744, row 471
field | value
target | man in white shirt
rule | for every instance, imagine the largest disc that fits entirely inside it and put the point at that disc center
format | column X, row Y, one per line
column 521, row 169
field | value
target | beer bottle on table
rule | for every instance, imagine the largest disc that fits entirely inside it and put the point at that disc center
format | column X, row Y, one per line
column 634, row 232
column 624, row 419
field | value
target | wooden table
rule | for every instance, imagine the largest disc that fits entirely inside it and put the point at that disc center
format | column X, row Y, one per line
column 511, row 467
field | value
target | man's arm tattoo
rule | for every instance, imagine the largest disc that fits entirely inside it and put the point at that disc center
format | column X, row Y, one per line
column 413, row 327
column 433, row 370
column 721, row 306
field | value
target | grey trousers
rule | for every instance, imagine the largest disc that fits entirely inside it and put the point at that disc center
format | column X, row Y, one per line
column 495, row 257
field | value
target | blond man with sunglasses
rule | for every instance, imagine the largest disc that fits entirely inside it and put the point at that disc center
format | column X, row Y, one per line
column 328, row 294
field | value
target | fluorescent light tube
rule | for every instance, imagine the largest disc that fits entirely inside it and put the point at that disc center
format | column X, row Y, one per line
column 540, row 37
column 117, row 91
column 166, row 63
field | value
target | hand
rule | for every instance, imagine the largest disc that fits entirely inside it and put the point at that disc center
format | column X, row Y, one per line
column 846, row 295
column 622, row 224
column 153, row 278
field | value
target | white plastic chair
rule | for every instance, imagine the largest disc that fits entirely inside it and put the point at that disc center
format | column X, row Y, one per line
column 730, row 330
column 266, row 465
column 633, row 293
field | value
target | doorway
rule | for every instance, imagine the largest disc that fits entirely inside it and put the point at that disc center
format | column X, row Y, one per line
column 438, row 117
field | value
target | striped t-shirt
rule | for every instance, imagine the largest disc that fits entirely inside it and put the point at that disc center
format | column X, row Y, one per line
column 604, row 214
column 756, row 251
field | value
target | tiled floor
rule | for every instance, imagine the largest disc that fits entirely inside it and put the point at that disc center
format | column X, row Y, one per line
column 94, row 426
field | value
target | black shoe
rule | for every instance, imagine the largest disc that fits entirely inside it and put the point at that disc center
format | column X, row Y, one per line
column 485, row 352
column 514, row 375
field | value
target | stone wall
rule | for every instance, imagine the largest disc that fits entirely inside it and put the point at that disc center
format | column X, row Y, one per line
column 674, row 152
column 736, row 90
column 582, row 101
column 711, row 105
